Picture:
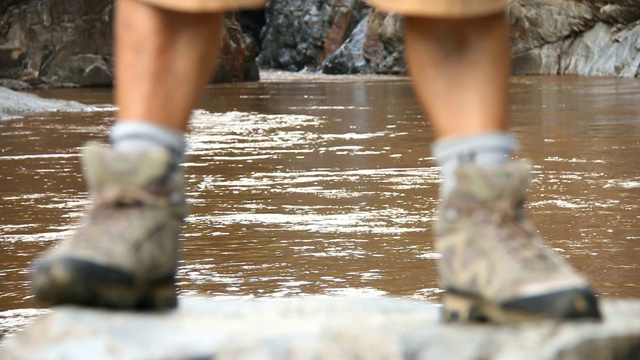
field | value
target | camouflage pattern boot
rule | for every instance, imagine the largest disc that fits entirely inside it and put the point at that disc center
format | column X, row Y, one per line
column 494, row 266
column 124, row 254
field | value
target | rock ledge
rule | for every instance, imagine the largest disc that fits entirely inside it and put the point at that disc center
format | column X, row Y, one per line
column 317, row 328
column 15, row 104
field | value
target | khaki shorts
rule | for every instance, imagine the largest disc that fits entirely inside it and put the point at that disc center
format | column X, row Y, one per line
column 427, row 8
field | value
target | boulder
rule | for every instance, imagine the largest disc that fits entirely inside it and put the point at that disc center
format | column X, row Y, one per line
column 317, row 328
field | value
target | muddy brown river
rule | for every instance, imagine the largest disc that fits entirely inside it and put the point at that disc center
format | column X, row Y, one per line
column 311, row 185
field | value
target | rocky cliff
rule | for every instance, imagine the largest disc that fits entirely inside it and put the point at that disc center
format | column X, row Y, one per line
column 331, row 36
column 579, row 37
column 68, row 43
column 582, row 37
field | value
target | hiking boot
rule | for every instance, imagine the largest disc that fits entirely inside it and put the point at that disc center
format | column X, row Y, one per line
column 494, row 266
column 124, row 254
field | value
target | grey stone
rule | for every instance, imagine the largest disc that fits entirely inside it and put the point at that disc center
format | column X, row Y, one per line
column 317, row 328
column 14, row 104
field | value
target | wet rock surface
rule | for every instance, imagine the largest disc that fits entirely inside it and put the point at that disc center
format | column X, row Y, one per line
column 318, row 328
column 15, row 104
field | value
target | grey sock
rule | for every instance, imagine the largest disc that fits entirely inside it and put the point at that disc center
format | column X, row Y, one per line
column 139, row 135
column 490, row 149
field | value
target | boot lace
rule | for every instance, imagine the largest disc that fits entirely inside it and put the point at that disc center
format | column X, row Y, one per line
column 518, row 241
column 127, row 196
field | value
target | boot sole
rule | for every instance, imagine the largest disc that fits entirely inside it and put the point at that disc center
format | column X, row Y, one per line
column 562, row 305
column 77, row 282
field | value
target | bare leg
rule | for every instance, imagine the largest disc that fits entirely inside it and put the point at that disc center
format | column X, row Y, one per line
column 163, row 61
column 127, row 256
column 491, row 269
column 460, row 69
